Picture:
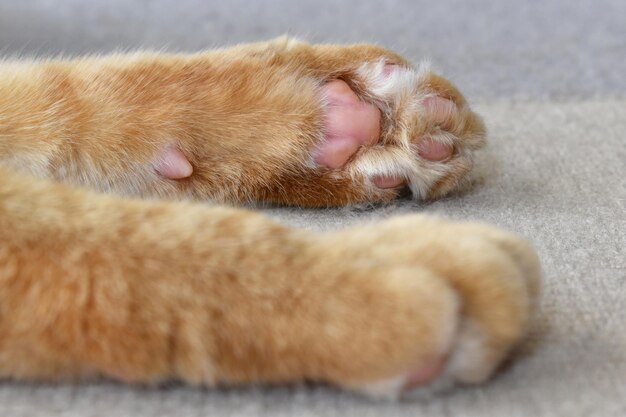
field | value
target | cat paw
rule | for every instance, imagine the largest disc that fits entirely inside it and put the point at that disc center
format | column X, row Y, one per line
column 445, row 302
column 389, row 126
column 320, row 125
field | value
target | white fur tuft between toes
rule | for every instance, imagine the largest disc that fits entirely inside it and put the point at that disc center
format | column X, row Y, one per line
column 397, row 86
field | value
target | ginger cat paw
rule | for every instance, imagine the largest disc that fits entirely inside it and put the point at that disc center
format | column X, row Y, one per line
column 383, row 125
column 159, row 291
column 446, row 304
column 411, row 128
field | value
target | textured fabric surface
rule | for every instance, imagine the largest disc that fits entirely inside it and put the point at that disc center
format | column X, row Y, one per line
column 548, row 78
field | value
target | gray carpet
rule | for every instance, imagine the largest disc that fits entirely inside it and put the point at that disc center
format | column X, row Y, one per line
column 549, row 79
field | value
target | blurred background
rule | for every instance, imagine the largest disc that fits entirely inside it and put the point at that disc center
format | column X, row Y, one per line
column 549, row 78
column 523, row 48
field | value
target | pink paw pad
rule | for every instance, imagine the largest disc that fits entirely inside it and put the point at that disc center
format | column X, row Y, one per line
column 439, row 109
column 351, row 124
column 173, row 164
column 434, row 151
column 424, row 374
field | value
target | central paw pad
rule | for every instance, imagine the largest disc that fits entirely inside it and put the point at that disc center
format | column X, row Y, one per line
column 350, row 123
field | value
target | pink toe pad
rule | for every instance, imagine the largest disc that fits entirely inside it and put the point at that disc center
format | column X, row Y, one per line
column 439, row 108
column 434, row 151
column 424, row 374
column 387, row 182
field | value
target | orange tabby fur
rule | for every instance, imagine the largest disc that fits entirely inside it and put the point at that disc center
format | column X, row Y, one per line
column 147, row 291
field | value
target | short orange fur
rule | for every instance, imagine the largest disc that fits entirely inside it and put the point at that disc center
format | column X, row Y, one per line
column 153, row 290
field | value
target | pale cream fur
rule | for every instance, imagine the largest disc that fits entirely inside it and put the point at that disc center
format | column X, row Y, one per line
column 148, row 291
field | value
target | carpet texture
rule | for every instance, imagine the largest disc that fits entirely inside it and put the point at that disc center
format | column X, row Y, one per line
column 548, row 77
